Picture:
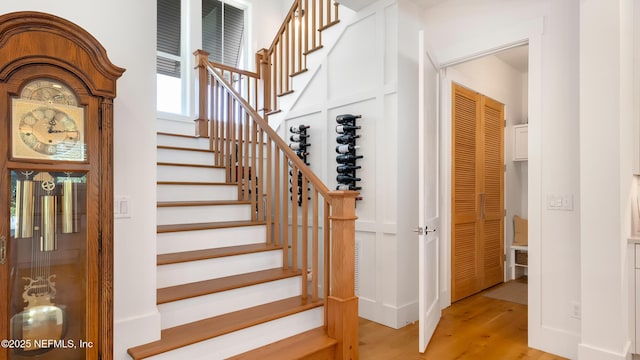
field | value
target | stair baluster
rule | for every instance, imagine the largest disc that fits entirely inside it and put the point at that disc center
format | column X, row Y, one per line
column 243, row 155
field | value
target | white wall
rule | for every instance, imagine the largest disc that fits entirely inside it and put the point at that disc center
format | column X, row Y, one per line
column 607, row 162
column 457, row 29
column 372, row 70
column 127, row 31
column 268, row 16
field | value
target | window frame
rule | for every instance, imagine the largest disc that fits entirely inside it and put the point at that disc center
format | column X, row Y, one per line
column 191, row 40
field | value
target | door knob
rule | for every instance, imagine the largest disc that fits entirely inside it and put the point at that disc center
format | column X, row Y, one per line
column 421, row 231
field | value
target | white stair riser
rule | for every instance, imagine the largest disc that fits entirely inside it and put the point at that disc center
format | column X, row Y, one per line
column 192, row 271
column 207, row 239
column 185, row 157
column 188, row 310
column 247, row 339
column 203, row 214
column 187, row 173
column 171, row 192
column 179, row 141
column 182, row 127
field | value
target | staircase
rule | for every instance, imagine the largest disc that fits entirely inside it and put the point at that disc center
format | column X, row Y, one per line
column 243, row 272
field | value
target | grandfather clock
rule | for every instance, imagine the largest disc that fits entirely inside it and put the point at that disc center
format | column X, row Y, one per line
column 56, row 190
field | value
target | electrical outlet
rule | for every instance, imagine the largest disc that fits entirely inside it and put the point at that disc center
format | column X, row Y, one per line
column 575, row 310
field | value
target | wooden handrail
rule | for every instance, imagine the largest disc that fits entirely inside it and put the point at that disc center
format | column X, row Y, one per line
column 265, row 168
column 297, row 37
column 268, row 172
column 264, row 126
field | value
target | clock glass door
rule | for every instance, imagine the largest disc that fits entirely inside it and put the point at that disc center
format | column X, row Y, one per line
column 48, row 261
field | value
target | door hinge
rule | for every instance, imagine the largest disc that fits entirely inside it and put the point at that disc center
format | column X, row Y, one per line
column 100, row 241
column 505, row 123
column 504, row 167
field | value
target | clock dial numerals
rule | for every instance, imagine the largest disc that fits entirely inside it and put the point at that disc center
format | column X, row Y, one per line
column 49, row 131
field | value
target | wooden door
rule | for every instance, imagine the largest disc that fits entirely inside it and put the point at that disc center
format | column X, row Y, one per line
column 477, row 192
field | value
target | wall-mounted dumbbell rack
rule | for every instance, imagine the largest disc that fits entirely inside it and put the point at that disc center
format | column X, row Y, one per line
column 346, row 128
column 299, row 144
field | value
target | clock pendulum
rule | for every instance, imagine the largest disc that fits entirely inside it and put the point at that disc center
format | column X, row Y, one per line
column 41, row 318
column 48, row 237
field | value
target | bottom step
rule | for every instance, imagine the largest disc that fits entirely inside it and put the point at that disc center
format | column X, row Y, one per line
column 311, row 345
column 222, row 336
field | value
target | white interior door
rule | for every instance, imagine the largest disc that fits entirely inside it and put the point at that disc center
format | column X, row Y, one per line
column 428, row 192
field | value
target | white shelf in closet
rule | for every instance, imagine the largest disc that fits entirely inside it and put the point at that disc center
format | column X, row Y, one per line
column 520, row 142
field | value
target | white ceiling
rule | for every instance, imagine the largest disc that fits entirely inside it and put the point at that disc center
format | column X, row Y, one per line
column 427, row 3
column 517, row 58
column 359, row 4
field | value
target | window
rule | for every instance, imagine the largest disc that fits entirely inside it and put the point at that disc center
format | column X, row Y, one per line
column 220, row 30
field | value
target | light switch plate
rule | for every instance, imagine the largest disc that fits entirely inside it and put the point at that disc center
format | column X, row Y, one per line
column 122, row 207
column 560, row 202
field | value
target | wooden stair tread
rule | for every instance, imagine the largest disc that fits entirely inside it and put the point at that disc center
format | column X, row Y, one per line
column 195, row 255
column 202, row 203
column 207, row 226
column 272, row 112
column 335, row 22
column 299, row 72
column 187, row 334
column 181, row 135
column 199, row 288
column 296, row 347
column 190, row 165
column 180, row 148
column 197, row 183
column 285, row 93
column 313, row 50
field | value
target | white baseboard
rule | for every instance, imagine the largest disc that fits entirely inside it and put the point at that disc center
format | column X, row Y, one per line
column 588, row 352
column 134, row 331
column 388, row 315
column 554, row 341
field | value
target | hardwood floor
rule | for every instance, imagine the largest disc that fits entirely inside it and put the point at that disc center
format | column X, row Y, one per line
column 473, row 328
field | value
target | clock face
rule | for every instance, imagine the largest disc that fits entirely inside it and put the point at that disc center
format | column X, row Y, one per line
column 47, row 123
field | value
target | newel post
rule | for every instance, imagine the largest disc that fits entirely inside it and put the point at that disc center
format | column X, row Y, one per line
column 202, row 124
column 263, row 68
column 342, row 304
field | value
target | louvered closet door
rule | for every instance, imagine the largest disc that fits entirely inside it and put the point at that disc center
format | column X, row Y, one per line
column 477, row 195
column 492, row 194
column 465, row 182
